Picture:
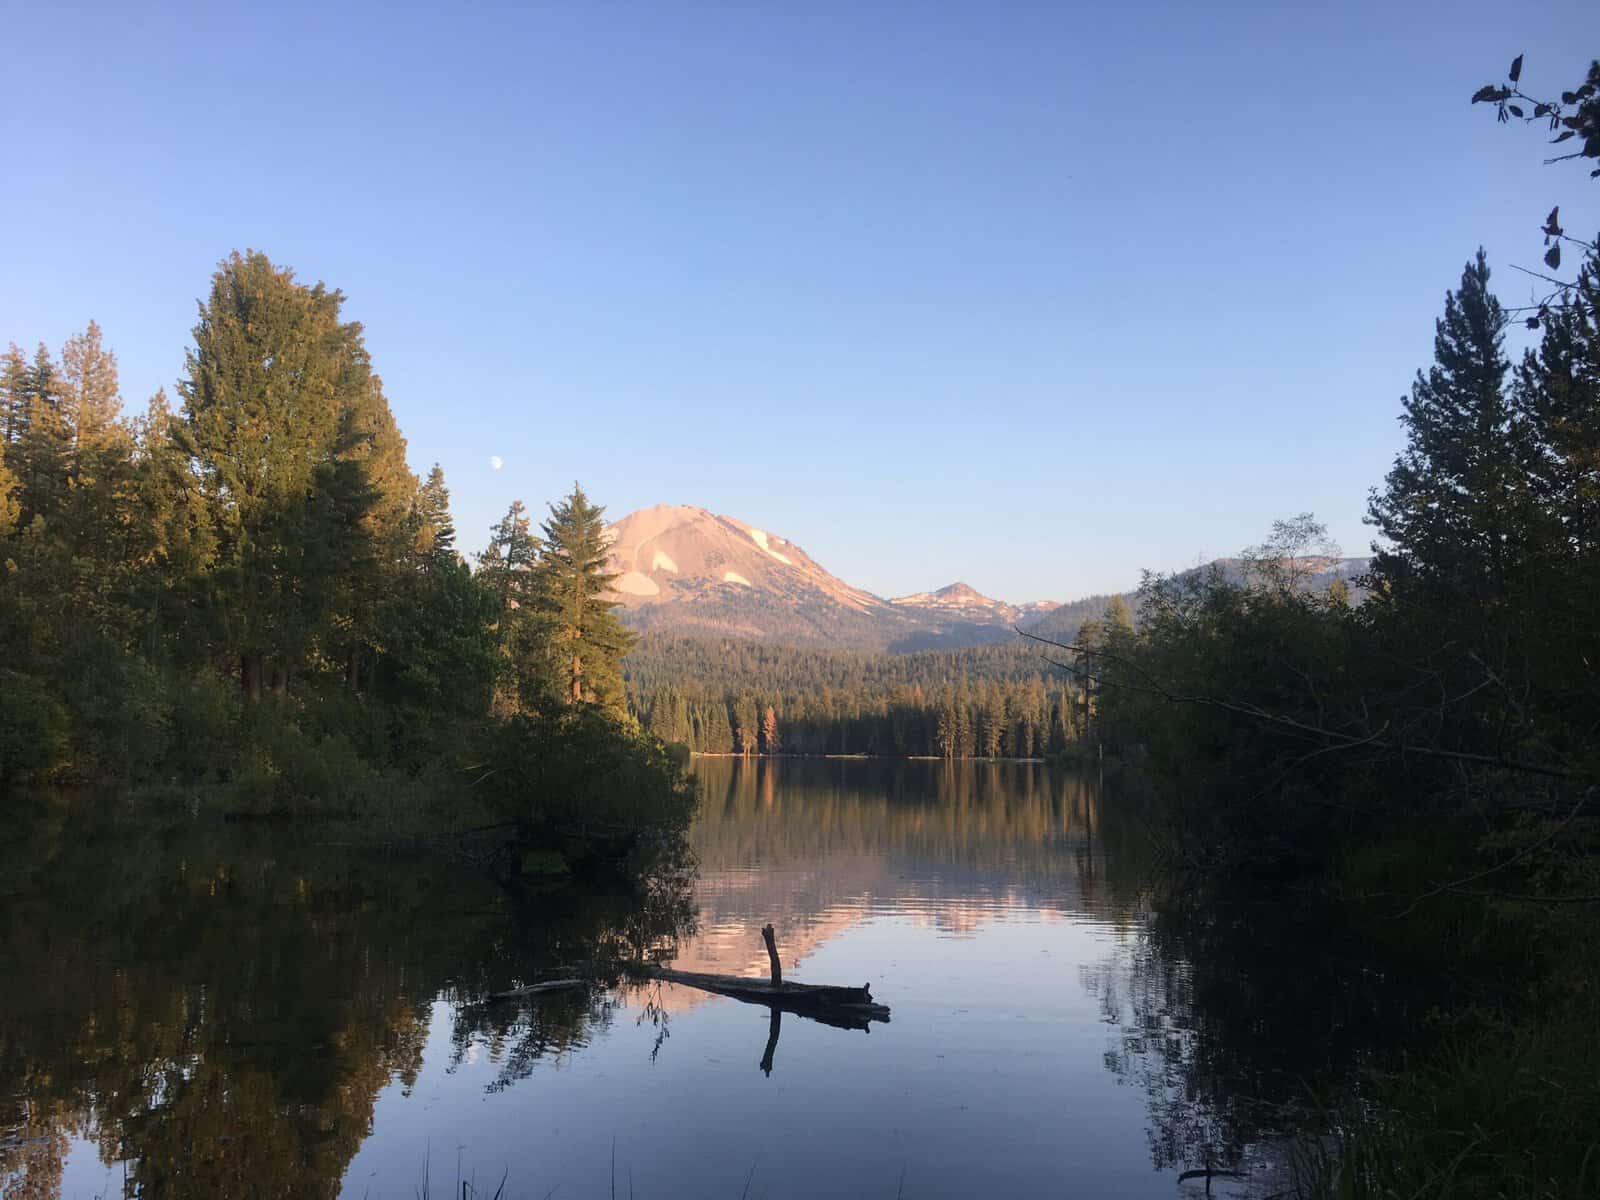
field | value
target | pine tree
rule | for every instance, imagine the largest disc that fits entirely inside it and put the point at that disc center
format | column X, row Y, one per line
column 278, row 391
column 42, row 453
column 437, row 534
column 90, row 404
column 374, row 501
column 945, row 726
column 9, row 509
column 1558, row 390
column 745, row 721
column 587, row 640
column 14, row 393
column 506, row 571
column 506, row 564
column 177, row 546
column 98, row 520
column 992, row 715
column 1117, row 617
column 1456, row 504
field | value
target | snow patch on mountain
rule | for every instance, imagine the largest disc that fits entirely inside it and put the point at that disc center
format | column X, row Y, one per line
column 636, row 583
column 663, row 562
column 735, row 577
column 760, row 538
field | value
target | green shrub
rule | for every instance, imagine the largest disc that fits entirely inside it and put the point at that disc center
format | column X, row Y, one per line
column 122, row 712
column 205, row 727
column 581, row 772
column 33, row 729
column 285, row 770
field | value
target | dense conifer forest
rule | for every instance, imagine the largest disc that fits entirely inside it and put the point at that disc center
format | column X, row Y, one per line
column 249, row 588
column 719, row 696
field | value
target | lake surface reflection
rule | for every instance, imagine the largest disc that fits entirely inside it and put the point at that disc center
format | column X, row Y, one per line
column 195, row 1009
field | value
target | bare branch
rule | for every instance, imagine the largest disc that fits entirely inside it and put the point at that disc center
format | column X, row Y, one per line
column 1456, row 885
column 1342, row 741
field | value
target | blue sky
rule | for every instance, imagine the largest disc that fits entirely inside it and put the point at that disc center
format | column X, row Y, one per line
column 1031, row 295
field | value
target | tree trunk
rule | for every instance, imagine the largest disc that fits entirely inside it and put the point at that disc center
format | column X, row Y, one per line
column 280, row 681
column 352, row 671
column 250, row 676
column 774, row 1027
column 772, row 955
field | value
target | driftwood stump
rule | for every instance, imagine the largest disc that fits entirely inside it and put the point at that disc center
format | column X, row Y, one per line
column 772, row 954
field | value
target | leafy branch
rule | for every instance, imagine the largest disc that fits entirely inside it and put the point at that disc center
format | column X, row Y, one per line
column 1576, row 116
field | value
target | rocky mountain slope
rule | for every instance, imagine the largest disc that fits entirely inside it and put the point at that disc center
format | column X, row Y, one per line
column 689, row 570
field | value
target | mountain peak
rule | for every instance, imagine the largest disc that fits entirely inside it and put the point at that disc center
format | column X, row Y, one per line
column 689, row 569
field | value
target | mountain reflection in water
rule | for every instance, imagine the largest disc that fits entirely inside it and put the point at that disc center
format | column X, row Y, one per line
column 197, row 1009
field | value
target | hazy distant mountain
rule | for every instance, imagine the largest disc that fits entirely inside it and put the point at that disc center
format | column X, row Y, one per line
column 692, row 570
column 962, row 600
column 689, row 570
column 1062, row 621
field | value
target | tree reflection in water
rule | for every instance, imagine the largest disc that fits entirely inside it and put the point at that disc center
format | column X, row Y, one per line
column 218, row 1006
column 1244, row 1020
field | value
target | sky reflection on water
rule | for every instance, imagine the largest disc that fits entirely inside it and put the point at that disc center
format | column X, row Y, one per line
column 994, row 907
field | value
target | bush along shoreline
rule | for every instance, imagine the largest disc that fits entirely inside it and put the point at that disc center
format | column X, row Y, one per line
column 1420, row 750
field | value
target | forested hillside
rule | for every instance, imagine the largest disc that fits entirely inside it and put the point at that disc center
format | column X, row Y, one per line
column 723, row 696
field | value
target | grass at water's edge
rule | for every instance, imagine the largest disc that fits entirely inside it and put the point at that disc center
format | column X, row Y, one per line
column 1510, row 1112
column 1507, row 1104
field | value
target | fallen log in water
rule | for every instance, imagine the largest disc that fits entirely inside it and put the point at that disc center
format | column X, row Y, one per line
column 847, row 1007
column 536, row 989
column 844, row 1007
column 761, row 991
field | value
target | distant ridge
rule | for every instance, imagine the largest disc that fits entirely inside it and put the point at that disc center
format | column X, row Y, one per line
column 685, row 569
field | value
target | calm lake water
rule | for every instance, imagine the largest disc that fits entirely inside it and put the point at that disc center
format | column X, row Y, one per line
column 191, row 1008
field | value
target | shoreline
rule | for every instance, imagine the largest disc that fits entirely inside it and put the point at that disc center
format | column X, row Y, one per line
column 871, row 757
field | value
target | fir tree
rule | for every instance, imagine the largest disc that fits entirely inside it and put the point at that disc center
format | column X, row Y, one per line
column 89, row 401
column 506, row 564
column 42, row 453
column 587, row 640
column 177, row 546
column 1455, row 506
column 14, row 393
column 9, row 509
column 437, row 534
column 506, row 571
column 278, row 390
column 745, row 721
column 1558, row 389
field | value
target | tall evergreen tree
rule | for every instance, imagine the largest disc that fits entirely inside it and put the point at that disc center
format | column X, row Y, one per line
column 746, row 736
column 506, row 564
column 9, row 509
column 90, row 403
column 1558, row 389
column 1457, row 504
column 42, row 453
column 506, row 571
column 171, row 563
column 274, row 382
column 14, row 393
column 587, row 640
column 437, row 532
